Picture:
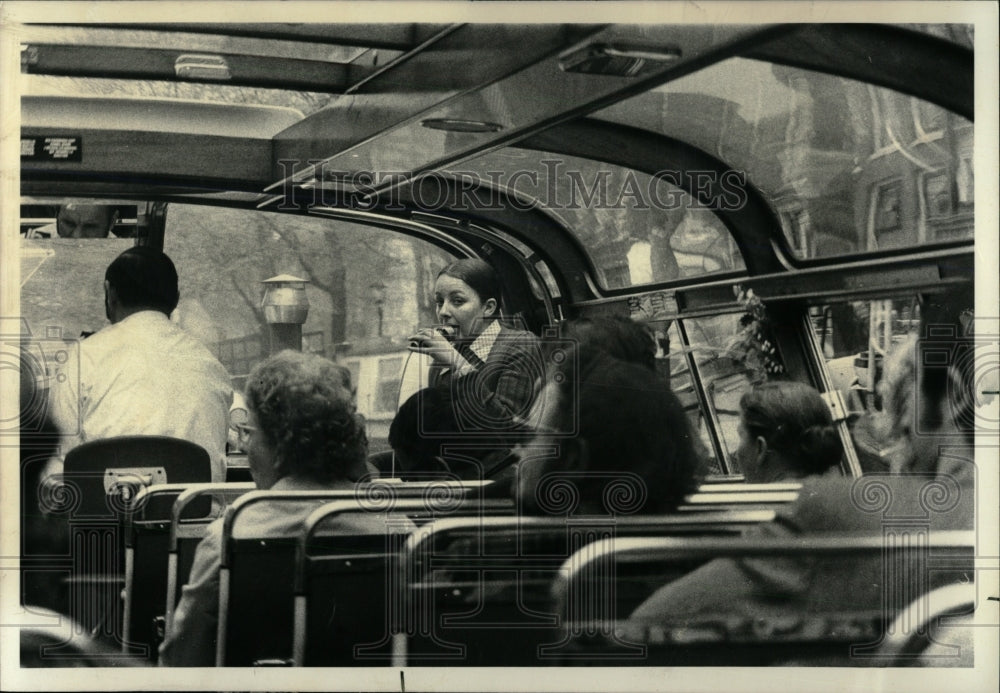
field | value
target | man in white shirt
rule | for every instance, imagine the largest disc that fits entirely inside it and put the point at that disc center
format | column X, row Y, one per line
column 143, row 374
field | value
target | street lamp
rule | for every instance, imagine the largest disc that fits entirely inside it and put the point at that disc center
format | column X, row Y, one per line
column 378, row 295
column 286, row 307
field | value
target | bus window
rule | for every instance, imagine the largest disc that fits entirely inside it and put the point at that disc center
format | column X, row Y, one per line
column 368, row 291
column 856, row 337
column 700, row 341
column 637, row 229
column 723, row 379
column 682, row 385
column 849, row 167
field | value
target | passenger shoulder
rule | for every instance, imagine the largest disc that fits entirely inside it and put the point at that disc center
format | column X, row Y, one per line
column 865, row 503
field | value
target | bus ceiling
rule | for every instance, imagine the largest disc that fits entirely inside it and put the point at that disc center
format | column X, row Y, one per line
column 396, row 110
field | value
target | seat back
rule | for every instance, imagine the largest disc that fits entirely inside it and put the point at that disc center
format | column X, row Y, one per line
column 125, row 464
column 187, row 528
column 919, row 636
column 147, row 544
column 257, row 574
column 104, row 477
column 822, row 629
column 478, row 592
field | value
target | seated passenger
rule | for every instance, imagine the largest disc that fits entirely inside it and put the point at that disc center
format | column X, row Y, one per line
column 616, row 335
column 938, row 413
column 483, row 380
column 617, row 441
column 302, row 435
column 428, row 441
column 786, row 432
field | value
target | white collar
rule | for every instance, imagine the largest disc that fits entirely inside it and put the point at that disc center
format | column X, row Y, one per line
column 483, row 343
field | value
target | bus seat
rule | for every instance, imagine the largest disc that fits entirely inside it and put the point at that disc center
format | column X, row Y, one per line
column 256, row 573
column 342, row 587
column 104, row 477
column 124, row 464
column 150, row 534
column 930, row 630
column 813, row 633
column 478, row 592
column 66, row 644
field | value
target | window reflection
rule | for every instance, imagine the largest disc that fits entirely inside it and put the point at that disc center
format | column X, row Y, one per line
column 822, row 149
column 638, row 229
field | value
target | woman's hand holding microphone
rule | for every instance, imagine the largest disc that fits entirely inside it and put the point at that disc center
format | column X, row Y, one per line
column 435, row 342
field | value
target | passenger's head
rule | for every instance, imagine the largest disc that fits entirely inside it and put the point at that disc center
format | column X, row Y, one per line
column 76, row 220
column 141, row 278
column 618, row 336
column 424, row 428
column 302, row 421
column 620, row 431
column 467, row 293
column 786, row 431
column 424, row 422
column 929, row 386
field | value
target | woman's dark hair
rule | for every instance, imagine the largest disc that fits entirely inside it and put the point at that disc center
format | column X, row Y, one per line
column 144, row 277
column 305, row 410
column 945, row 353
column 616, row 335
column 478, row 274
column 632, row 424
column 795, row 421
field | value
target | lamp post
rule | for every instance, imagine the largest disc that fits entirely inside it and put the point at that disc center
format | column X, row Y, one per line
column 286, row 307
column 378, row 294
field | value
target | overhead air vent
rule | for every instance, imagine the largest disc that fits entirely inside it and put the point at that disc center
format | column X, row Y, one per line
column 618, row 60
column 202, row 67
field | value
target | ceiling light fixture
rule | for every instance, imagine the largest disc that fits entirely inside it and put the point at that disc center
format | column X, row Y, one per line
column 617, row 59
column 461, row 125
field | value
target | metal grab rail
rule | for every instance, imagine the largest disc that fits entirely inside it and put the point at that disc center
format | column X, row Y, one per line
column 740, row 498
column 191, row 530
column 137, row 507
column 739, row 487
column 575, row 590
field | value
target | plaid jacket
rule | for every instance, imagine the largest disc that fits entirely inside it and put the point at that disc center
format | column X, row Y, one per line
column 498, row 394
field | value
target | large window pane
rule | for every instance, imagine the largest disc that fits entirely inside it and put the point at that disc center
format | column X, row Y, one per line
column 845, row 164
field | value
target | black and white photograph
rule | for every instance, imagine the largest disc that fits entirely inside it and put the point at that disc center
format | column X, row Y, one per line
column 496, row 346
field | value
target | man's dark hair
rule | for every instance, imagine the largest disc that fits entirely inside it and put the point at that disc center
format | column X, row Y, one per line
column 144, row 277
column 616, row 335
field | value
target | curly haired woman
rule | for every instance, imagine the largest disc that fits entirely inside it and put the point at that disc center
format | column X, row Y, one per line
column 303, row 434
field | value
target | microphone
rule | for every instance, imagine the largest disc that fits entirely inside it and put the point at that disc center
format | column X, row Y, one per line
column 446, row 331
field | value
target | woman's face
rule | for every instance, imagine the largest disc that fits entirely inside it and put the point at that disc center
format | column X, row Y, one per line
column 746, row 454
column 260, row 455
column 460, row 306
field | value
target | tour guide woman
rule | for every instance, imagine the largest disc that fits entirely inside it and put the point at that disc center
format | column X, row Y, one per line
column 493, row 370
